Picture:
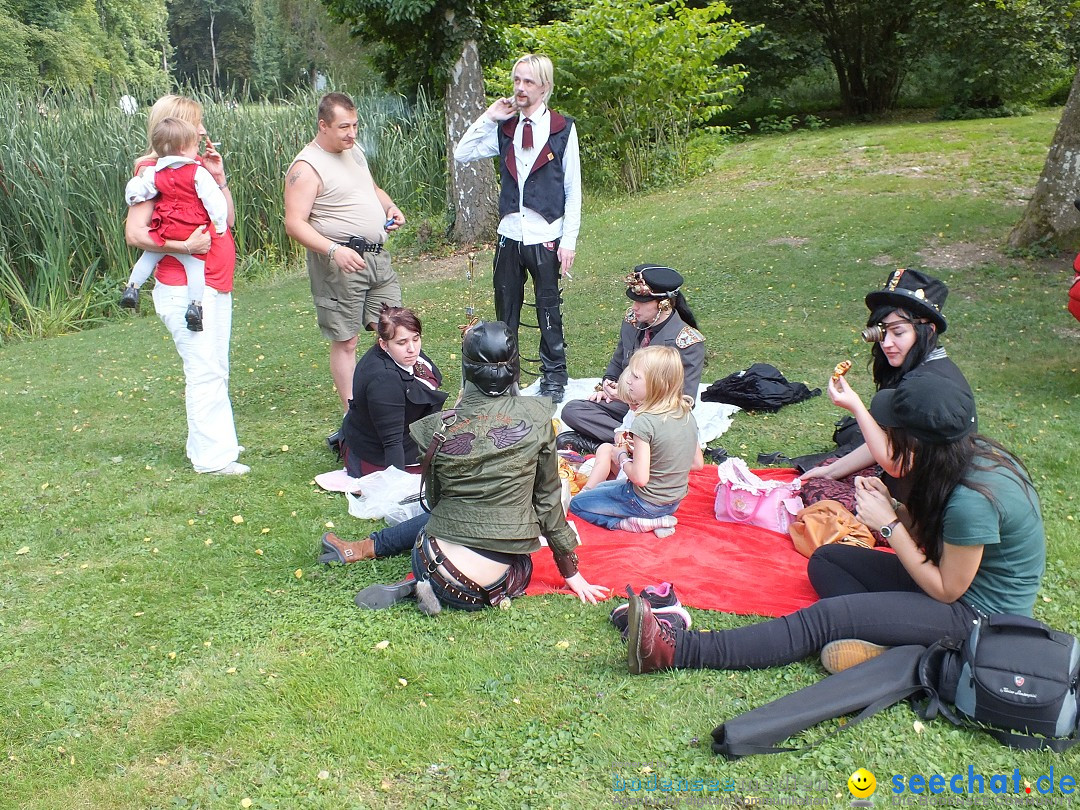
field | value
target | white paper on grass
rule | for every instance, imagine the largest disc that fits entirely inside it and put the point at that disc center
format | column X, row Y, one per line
column 382, row 493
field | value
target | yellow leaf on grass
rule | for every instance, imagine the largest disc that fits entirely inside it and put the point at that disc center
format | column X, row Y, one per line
column 324, row 774
column 238, row 519
column 329, row 524
column 299, row 573
column 259, row 551
column 265, row 530
column 284, row 448
column 246, row 802
column 23, row 550
column 402, row 681
column 562, row 645
column 382, row 645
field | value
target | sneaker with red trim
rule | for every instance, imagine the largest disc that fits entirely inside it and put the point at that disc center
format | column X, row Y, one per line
column 660, row 596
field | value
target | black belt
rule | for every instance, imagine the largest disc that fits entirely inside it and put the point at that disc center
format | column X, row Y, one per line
column 463, row 587
column 362, row 245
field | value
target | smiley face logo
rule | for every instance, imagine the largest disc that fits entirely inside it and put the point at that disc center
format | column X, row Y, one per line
column 862, row 784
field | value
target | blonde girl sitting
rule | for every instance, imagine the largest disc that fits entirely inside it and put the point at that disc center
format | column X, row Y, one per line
column 665, row 449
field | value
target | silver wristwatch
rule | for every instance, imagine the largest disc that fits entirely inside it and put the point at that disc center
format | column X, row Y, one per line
column 886, row 531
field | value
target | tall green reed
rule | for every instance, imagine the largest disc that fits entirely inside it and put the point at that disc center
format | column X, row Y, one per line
column 64, row 160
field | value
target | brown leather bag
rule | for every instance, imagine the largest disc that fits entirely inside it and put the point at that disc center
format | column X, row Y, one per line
column 827, row 522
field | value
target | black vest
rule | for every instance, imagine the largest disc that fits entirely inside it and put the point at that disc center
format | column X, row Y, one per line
column 543, row 191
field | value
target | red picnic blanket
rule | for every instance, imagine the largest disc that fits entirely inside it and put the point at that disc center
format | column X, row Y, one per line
column 714, row 566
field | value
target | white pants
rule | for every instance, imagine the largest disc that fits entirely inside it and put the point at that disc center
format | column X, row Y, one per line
column 211, row 442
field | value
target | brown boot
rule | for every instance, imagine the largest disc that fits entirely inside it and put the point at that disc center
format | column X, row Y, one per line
column 342, row 551
column 650, row 644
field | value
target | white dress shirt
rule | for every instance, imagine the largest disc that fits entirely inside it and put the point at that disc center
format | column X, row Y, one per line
column 481, row 140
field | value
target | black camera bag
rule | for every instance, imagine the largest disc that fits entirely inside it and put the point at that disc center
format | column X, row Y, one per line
column 1013, row 678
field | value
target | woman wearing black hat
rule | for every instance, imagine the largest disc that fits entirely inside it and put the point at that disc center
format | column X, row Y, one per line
column 905, row 321
column 658, row 316
column 970, row 542
column 492, row 485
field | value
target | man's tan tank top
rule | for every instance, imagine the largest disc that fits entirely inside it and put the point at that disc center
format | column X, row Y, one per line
column 347, row 205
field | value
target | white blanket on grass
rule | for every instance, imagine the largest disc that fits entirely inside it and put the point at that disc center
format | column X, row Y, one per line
column 713, row 418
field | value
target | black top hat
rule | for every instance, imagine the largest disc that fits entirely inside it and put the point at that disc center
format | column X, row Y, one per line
column 651, row 282
column 914, row 291
column 931, row 407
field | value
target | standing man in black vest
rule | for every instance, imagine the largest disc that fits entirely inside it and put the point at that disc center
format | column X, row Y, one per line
column 539, row 205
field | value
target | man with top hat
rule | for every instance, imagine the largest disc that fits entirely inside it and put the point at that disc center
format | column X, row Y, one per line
column 658, row 316
column 539, row 206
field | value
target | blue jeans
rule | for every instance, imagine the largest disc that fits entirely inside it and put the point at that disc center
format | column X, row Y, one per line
column 611, row 501
column 394, row 540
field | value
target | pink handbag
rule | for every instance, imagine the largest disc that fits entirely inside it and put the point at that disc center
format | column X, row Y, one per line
column 742, row 497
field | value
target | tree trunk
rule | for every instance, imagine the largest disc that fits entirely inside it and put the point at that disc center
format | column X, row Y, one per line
column 1050, row 215
column 213, row 52
column 471, row 190
column 865, row 43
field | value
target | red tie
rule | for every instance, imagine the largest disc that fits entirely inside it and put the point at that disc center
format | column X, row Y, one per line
column 526, row 134
column 422, row 372
column 646, row 339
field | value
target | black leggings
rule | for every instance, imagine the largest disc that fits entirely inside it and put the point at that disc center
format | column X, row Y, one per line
column 865, row 594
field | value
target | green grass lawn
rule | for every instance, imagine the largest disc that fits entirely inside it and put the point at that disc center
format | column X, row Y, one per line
column 166, row 640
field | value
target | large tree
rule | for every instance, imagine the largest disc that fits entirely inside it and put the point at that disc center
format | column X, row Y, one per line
column 214, row 41
column 867, row 41
column 1050, row 215
column 439, row 43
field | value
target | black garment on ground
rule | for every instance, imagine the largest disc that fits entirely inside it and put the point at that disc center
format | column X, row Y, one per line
column 759, row 388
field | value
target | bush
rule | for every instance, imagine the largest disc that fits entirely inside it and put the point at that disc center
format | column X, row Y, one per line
column 639, row 76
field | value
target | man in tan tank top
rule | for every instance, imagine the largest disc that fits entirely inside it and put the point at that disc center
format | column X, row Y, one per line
column 330, row 197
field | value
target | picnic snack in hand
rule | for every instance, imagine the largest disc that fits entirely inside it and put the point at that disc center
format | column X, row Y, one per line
column 841, row 369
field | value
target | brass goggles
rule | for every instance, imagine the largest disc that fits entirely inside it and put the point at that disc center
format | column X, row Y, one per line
column 877, row 332
column 638, row 286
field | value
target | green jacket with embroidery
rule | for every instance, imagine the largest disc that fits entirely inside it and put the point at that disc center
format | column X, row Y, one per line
column 495, row 480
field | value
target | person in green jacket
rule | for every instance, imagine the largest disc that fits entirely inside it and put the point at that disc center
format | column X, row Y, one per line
column 493, row 488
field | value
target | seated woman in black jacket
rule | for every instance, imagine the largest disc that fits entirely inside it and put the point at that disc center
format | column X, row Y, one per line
column 394, row 385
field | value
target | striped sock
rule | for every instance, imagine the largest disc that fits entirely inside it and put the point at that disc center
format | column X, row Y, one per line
column 639, row 524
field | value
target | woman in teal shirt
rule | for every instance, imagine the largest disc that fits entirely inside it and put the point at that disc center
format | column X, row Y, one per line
column 969, row 541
